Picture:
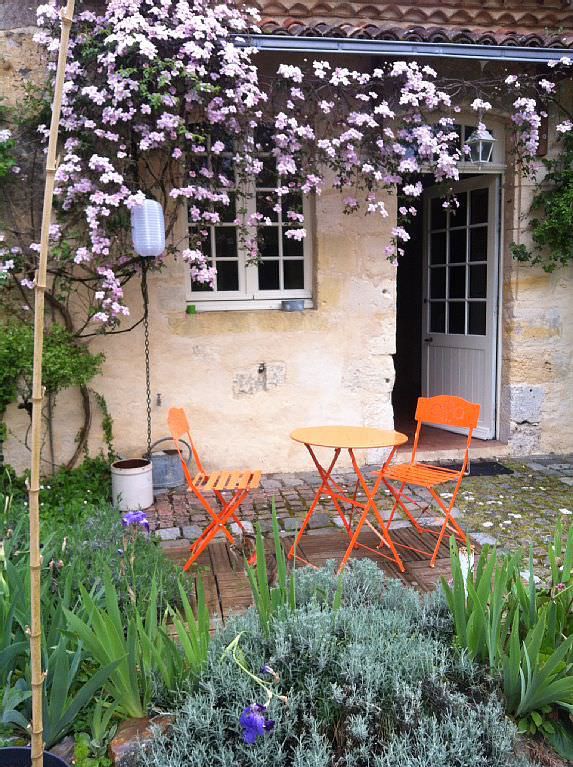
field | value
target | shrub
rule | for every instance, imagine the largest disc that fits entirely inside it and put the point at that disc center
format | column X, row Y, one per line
column 88, row 547
column 66, row 497
column 371, row 681
column 66, row 362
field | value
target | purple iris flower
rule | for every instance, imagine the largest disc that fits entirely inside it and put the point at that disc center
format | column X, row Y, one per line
column 266, row 669
column 254, row 722
column 135, row 518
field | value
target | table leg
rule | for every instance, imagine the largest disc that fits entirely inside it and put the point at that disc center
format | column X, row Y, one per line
column 334, row 496
column 325, row 475
column 370, row 504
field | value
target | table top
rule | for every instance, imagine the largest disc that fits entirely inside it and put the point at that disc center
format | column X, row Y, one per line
column 348, row 437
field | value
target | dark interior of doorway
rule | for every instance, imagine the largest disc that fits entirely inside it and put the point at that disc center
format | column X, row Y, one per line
column 409, row 309
column 409, row 306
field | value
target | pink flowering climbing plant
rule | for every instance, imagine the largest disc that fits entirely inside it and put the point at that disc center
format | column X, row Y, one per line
column 164, row 99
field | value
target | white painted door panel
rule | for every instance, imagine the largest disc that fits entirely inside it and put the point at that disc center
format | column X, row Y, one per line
column 460, row 297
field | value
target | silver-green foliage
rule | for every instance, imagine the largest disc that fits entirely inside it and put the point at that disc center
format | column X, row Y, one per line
column 371, row 682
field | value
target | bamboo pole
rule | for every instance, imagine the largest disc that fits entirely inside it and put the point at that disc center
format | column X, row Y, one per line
column 38, row 396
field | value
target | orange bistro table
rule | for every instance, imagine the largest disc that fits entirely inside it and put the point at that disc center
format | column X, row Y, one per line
column 351, row 438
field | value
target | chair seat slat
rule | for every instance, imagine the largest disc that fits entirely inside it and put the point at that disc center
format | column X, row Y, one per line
column 234, row 480
column 255, row 479
column 420, row 474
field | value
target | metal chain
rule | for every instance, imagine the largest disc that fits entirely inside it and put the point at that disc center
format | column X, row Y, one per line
column 145, row 296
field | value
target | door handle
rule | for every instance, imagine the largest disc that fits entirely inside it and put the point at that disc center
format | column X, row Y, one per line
column 428, row 340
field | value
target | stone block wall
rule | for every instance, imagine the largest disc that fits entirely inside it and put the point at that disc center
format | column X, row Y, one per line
column 537, row 337
column 247, row 378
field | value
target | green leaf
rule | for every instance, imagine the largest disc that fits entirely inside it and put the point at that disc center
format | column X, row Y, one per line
column 562, row 740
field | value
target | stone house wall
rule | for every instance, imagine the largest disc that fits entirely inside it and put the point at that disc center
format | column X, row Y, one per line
column 537, row 338
column 332, row 363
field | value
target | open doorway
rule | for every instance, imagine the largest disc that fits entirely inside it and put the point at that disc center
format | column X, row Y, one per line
column 447, row 302
column 409, row 307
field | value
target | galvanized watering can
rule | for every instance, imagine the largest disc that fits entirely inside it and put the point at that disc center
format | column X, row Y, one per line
column 166, row 465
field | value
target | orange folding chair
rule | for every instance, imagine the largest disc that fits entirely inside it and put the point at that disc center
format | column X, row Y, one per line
column 238, row 483
column 441, row 411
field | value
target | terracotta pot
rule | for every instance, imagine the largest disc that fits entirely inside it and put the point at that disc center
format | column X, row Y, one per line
column 22, row 757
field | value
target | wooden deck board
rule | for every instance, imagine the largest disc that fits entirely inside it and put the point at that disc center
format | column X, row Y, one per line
column 227, row 587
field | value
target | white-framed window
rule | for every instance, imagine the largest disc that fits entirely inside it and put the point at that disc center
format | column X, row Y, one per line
column 284, row 267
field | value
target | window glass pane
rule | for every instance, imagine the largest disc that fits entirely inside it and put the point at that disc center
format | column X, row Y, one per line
column 268, row 241
column 219, row 134
column 437, row 317
column 478, row 206
column 227, row 275
column 438, row 282
column 226, row 242
column 456, row 317
column 293, row 274
column 477, row 318
column 268, row 176
column 204, row 243
column 293, row 248
column 269, row 275
column 478, row 281
column 437, row 214
column 266, row 203
column 459, row 215
column 457, row 287
column 263, row 138
column 478, row 244
column 458, row 245
column 223, row 165
column 228, row 212
column 201, row 287
column 292, row 202
column 438, row 248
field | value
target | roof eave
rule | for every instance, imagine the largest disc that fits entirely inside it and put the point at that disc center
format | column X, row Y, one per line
column 404, row 48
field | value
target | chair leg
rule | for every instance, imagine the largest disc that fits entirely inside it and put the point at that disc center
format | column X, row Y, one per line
column 396, row 503
column 398, row 500
column 449, row 520
column 213, row 514
column 211, row 531
column 370, row 505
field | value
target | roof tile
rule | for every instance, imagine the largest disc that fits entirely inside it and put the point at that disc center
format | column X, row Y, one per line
column 489, row 22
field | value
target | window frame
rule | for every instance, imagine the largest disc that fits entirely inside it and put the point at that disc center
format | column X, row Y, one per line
column 249, row 296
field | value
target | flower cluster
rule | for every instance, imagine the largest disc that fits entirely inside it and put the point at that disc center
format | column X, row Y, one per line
column 165, row 100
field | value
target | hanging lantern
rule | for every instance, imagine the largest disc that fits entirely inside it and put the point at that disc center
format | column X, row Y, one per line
column 481, row 145
column 148, row 229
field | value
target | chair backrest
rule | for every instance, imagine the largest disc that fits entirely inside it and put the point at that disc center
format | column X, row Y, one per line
column 447, row 410
column 179, row 427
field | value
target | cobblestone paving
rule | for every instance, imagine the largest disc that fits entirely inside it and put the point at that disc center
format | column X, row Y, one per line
column 511, row 510
column 521, row 508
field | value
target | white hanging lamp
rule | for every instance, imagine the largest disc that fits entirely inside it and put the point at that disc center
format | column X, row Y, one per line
column 148, row 229
column 481, row 144
column 148, row 235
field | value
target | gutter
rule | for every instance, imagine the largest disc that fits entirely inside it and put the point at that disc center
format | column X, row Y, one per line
column 403, row 48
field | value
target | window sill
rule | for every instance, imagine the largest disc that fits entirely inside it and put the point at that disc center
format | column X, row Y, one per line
column 245, row 306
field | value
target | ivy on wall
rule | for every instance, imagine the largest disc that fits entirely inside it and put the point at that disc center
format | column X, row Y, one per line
column 551, row 223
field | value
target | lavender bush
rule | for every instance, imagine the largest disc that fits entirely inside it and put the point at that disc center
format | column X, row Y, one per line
column 375, row 682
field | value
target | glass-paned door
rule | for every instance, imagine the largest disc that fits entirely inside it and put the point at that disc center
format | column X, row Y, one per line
column 460, row 296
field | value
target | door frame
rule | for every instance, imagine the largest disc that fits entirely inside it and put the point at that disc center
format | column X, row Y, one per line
column 496, row 288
